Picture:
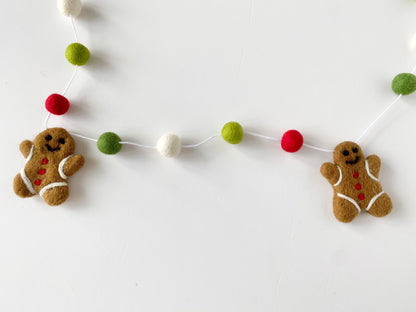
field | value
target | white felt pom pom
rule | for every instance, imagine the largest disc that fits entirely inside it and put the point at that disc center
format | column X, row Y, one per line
column 70, row 7
column 169, row 145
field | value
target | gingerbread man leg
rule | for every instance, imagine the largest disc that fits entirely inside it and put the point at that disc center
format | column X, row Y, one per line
column 344, row 210
column 382, row 206
column 55, row 195
column 20, row 187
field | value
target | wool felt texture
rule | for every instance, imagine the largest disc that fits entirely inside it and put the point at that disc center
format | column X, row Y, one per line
column 404, row 83
column 69, row 7
column 169, row 145
column 57, row 104
column 354, row 179
column 108, row 143
column 232, row 132
column 292, row 141
column 77, row 54
column 42, row 173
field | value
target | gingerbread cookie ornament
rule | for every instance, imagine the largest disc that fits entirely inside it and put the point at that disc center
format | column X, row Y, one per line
column 355, row 183
column 49, row 163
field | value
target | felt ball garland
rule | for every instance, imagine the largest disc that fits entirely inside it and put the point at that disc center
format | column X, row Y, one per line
column 77, row 54
column 170, row 145
column 361, row 191
column 109, row 143
column 69, row 7
column 404, row 84
column 292, row 141
column 232, row 132
column 57, row 104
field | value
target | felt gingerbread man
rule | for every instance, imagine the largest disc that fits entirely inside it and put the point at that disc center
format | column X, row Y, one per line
column 355, row 183
column 49, row 163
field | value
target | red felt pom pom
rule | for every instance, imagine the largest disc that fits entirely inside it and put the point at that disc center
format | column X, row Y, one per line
column 292, row 141
column 57, row 104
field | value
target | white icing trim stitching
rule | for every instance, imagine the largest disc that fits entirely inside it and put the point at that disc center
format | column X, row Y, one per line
column 368, row 171
column 373, row 200
column 29, row 157
column 352, row 201
column 340, row 177
column 27, row 182
column 50, row 186
column 61, row 167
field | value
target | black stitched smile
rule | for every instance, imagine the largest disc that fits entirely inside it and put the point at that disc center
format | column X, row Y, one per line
column 50, row 149
column 353, row 162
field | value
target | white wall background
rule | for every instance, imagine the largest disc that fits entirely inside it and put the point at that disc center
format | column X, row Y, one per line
column 222, row 228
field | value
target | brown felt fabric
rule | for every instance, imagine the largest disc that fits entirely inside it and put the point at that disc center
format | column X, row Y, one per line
column 56, row 195
column 356, row 182
column 73, row 164
column 20, row 188
column 61, row 145
column 25, row 147
column 374, row 163
column 344, row 211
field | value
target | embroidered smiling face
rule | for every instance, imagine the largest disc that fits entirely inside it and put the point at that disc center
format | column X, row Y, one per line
column 55, row 141
column 348, row 154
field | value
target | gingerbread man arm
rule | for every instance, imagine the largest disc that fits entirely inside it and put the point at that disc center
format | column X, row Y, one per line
column 25, row 147
column 331, row 172
column 73, row 164
column 374, row 164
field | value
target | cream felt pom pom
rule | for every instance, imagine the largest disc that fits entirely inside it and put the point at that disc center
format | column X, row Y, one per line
column 70, row 7
column 169, row 145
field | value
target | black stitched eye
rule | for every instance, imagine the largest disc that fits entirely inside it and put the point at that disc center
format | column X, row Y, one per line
column 48, row 137
column 355, row 150
column 345, row 153
column 61, row 141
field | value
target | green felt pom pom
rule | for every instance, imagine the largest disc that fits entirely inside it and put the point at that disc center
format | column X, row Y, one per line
column 404, row 84
column 77, row 54
column 232, row 132
column 108, row 143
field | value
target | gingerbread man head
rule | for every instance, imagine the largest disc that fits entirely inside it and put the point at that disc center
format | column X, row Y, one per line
column 57, row 143
column 348, row 155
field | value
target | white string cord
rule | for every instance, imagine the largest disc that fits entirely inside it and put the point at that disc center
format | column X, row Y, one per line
column 154, row 147
column 317, row 148
column 138, row 145
column 74, row 73
column 73, row 28
column 202, row 142
column 413, row 70
column 378, row 118
column 383, row 112
column 83, row 137
column 183, row 146
column 48, row 116
column 215, row 136
column 263, row 136
column 45, row 122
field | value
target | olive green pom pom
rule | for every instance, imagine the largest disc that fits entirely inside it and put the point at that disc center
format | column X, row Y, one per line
column 77, row 54
column 232, row 132
column 108, row 143
column 404, row 84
